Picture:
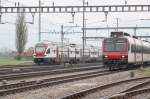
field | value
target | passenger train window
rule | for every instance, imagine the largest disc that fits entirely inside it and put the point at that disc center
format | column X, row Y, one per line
column 146, row 49
column 54, row 51
column 128, row 46
column 133, row 48
column 77, row 52
column 48, row 51
column 140, row 49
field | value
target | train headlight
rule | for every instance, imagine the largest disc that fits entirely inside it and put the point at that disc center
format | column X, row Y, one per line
column 106, row 56
column 123, row 56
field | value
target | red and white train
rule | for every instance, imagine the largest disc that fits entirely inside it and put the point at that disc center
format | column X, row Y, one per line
column 52, row 53
column 121, row 50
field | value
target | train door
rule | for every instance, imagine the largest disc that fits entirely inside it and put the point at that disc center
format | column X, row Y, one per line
column 134, row 50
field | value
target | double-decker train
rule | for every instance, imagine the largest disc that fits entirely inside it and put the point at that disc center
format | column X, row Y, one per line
column 121, row 50
column 53, row 53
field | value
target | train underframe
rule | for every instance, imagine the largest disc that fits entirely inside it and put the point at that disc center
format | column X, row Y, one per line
column 45, row 61
column 53, row 61
column 115, row 64
column 119, row 64
column 59, row 61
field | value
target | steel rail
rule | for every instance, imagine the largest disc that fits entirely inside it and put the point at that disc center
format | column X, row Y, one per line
column 136, row 87
column 44, row 80
column 48, row 72
column 79, row 95
column 134, row 90
column 4, row 71
column 20, row 87
column 34, row 65
column 130, row 94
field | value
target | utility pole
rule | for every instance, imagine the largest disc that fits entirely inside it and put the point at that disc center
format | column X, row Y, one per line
column 135, row 30
column 106, row 14
column 147, row 36
column 83, row 29
column 117, row 24
column 0, row 3
column 73, row 13
column 62, row 42
column 39, row 20
column 0, row 13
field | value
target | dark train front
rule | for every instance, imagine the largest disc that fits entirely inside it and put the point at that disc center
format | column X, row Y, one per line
column 115, row 51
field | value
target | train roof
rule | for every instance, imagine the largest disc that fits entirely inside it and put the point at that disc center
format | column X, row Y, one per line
column 119, row 34
column 71, row 45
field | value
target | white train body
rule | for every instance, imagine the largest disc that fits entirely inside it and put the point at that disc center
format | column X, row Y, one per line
column 47, row 52
column 139, row 54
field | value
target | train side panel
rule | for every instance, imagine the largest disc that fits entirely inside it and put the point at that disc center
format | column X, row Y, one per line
column 51, row 54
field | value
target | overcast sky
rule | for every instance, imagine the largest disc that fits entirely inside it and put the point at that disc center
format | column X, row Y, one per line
column 53, row 22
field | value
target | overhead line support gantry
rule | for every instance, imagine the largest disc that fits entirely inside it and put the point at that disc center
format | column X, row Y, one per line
column 76, row 9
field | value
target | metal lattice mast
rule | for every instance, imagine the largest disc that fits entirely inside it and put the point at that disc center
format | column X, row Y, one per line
column 39, row 20
column 83, row 28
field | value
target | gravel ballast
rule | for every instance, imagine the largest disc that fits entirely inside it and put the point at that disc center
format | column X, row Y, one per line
column 54, row 92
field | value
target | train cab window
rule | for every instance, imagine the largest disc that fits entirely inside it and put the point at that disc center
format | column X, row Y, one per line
column 48, row 51
column 120, row 47
column 113, row 44
column 39, row 48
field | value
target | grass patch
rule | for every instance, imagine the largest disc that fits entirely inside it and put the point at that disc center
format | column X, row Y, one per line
column 12, row 61
column 146, row 73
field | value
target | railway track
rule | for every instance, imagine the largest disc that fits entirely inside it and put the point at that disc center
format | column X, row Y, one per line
column 133, row 91
column 24, row 86
column 34, row 65
column 47, row 72
column 22, row 69
column 102, row 92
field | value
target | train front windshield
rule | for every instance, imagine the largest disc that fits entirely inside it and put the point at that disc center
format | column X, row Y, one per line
column 115, row 44
column 40, row 48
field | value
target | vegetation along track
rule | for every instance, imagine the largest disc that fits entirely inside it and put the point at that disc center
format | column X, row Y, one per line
column 47, row 72
column 23, row 86
column 98, row 92
column 21, row 69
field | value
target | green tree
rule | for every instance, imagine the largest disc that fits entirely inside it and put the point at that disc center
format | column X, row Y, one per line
column 21, row 34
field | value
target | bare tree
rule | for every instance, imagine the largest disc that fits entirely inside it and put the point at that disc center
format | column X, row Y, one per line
column 21, row 34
